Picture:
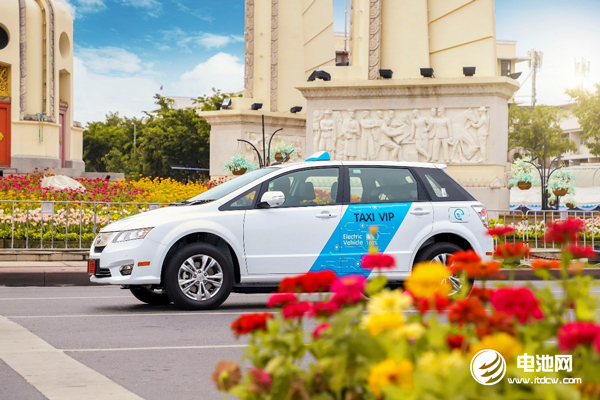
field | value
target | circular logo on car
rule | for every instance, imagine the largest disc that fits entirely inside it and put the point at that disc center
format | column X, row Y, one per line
column 488, row 367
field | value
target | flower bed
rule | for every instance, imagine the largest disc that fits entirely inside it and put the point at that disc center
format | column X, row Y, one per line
column 422, row 343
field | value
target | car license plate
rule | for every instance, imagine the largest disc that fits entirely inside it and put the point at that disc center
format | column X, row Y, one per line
column 92, row 264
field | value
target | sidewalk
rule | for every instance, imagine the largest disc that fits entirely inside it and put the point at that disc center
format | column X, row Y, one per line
column 74, row 273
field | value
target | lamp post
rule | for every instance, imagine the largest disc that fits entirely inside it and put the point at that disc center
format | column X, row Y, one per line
column 265, row 160
column 544, row 171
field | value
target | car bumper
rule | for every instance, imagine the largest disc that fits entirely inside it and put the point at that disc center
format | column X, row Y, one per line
column 145, row 255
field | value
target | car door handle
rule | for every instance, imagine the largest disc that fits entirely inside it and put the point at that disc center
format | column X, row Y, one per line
column 420, row 211
column 326, row 215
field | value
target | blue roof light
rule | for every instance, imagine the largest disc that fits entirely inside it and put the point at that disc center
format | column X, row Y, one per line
column 320, row 156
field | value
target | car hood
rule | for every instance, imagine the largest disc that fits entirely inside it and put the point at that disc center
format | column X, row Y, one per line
column 151, row 219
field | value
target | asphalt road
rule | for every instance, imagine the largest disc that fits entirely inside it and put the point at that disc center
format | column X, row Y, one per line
column 101, row 343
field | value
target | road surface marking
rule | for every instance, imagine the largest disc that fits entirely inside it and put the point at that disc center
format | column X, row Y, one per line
column 51, row 371
column 62, row 298
column 125, row 314
column 216, row 346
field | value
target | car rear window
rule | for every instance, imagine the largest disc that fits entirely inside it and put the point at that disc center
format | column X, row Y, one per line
column 441, row 187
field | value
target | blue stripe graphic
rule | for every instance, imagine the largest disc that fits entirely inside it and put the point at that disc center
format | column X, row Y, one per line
column 350, row 240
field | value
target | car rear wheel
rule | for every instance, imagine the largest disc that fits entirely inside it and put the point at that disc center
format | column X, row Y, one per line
column 440, row 252
column 199, row 277
column 150, row 294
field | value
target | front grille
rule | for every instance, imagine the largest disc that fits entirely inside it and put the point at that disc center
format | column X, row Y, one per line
column 102, row 273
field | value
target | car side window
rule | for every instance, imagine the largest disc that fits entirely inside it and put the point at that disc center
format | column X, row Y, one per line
column 309, row 187
column 245, row 201
column 382, row 185
column 441, row 187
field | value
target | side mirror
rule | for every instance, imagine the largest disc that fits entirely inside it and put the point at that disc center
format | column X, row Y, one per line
column 272, row 199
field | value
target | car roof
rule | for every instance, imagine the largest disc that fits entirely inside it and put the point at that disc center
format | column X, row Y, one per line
column 304, row 164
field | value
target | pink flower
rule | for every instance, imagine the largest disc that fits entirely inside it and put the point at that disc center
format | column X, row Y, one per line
column 574, row 334
column 518, row 301
column 324, row 309
column 348, row 289
column 581, row 251
column 296, row 310
column 383, row 261
column 564, row 231
column 281, row 299
column 318, row 332
column 261, row 380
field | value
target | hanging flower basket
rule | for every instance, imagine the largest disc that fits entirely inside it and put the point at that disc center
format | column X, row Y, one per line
column 524, row 185
column 560, row 191
column 570, row 205
column 240, row 171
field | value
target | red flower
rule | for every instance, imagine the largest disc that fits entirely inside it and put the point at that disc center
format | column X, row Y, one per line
column 456, row 342
column 290, row 285
column 477, row 270
column 296, row 310
column 324, row 309
column 318, row 332
column 581, row 251
column 545, row 264
column 310, row 282
column 518, row 301
column 348, row 289
column 500, row 231
column 482, row 294
column 564, row 231
column 466, row 310
column 574, row 334
column 383, row 261
column 281, row 299
column 261, row 380
column 464, row 257
column 512, row 252
column 422, row 305
column 250, row 322
column 497, row 322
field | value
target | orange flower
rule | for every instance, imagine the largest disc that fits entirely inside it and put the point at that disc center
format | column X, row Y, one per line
column 512, row 252
column 545, row 264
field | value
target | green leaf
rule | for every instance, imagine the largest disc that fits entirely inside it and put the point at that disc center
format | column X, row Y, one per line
column 376, row 285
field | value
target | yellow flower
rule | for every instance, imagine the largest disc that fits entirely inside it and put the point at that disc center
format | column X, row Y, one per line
column 412, row 331
column 427, row 279
column 442, row 365
column 502, row 342
column 389, row 301
column 377, row 323
column 389, row 372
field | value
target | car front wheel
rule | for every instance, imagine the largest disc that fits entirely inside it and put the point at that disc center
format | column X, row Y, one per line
column 198, row 277
column 440, row 252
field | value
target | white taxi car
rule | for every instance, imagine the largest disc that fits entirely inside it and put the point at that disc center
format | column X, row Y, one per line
column 246, row 234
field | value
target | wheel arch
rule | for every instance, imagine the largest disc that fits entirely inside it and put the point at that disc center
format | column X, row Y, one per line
column 204, row 237
column 448, row 237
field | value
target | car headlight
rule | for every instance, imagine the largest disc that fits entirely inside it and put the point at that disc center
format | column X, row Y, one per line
column 133, row 234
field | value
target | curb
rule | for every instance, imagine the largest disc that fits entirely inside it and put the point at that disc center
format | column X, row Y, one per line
column 76, row 275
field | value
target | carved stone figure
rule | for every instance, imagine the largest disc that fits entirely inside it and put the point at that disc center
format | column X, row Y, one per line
column 327, row 140
column 443, row 135
column 316, row 129
column 483, row 131
column 350, row 129
column 367, row 142
column 420, row 132
column 393, row 134
column 465, row 145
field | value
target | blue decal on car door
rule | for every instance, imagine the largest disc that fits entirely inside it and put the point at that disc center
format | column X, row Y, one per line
column 351, row 238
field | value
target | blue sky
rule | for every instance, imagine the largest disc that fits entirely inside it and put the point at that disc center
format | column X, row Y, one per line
column 125, row 50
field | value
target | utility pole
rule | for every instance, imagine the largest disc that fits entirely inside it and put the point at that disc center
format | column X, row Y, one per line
column 535, row 62
column 582, row 69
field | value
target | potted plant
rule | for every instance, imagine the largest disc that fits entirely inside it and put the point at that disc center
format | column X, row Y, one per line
column 282, row 151
column 561, row 182
column 239, row 165
column 522, row 174
column 570, row 201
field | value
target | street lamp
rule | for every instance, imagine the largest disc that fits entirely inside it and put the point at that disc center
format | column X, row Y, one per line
column 265, row 160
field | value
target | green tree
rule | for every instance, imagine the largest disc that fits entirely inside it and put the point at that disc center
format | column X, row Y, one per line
column 587, row 111
column 208, row 102
column 538, row 129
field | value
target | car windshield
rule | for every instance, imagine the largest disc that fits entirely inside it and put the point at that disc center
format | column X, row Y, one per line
column 225, row 188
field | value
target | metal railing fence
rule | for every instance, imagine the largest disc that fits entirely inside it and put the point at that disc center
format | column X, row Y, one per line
column 60, row 224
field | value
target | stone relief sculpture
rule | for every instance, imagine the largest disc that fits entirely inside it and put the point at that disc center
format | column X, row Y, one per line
column 367, row 139
column 350, row 134
column 454, row 136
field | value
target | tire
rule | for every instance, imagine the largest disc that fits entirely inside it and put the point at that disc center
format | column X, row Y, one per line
column 193, row 275
column 439, row 252
column 150, row 294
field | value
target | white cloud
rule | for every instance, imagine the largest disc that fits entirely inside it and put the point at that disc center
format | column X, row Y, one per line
column 222, row 71
column 78, row 8
column 110, row 60
column 109, row 80
column 210, row 40
column 186, row 40
column 153, row 7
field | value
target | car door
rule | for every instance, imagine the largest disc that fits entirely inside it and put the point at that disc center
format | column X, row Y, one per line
column 301, row 234
column 390, row 199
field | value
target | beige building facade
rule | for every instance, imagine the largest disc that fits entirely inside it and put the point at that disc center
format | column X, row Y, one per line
column 36, row 88
column 449, row 118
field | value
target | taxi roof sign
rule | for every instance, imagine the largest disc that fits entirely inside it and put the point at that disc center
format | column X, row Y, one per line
column 320, row 156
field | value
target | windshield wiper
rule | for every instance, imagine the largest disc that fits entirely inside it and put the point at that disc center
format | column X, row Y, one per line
column 191, row 203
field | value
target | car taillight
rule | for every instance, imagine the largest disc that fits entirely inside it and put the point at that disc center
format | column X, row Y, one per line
column 482, row 213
